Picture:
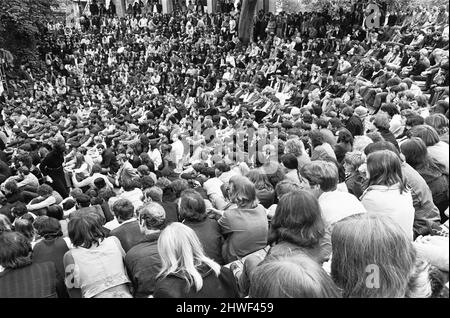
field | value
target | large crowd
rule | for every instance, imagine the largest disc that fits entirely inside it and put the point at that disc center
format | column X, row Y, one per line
column 156, row 155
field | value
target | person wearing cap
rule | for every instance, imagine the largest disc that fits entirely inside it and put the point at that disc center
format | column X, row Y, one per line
column 142, row 261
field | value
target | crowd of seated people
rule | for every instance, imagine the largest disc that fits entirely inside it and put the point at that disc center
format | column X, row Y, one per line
column 158, row 155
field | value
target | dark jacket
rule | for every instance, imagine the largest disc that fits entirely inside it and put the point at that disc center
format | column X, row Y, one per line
column 266, row 197
column 388, row 136
column 437, row 181
column 171, row 210
column 208, row 232
column 51, row 250
column 32, row 281
column 355, row 184
column 426, row 213
column 129, row 235
column 143, row 264
column 223, row 286
column 109, row 160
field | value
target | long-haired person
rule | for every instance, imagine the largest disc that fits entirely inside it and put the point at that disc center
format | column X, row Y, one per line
column 295, row 276
column 186, row 271
column 20, row 277
column 373, row 258
column 440, row 123
column 296, row 228
column 193, row 213
column 245, row 228
column 416, row 155
column 94, row 267
column 264, row 189
column 387, row 193
column 320, row 148
column 437, row 149
column 426, row 213
column 297, row 148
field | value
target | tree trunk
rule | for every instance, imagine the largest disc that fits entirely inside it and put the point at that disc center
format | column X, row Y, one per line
column 248, row 10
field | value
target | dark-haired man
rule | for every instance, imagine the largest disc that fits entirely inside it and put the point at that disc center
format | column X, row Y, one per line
column 128, row 232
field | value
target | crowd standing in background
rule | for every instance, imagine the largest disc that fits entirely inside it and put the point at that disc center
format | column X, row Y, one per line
column 159, row 156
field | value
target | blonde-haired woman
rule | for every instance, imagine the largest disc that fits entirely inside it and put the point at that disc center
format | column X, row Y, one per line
column 186, row 272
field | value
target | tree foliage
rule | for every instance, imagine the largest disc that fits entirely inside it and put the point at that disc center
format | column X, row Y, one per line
column 333, row 7
column 247, row 14
column 21, row 25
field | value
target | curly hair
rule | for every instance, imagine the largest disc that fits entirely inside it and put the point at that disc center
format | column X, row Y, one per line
column 294, row 146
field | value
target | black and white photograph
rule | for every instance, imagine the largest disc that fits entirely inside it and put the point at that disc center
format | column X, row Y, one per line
column 238, row 150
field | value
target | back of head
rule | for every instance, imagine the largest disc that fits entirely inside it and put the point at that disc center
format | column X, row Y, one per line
column 259, row 179
column 47, row 227
column 86, row 230
column 322, row 173
column 123, row 209
column 25, row 227
column 438, row 122
column 290, row 161
column 380, row 145
column 192, row 206
column 390, row 109
column 178, row 186
column 372, row 244
column 415, row 151
column 381, row 121
column 154, row 193
column 152, row 215
column 182, row 252
column 55, row 211
column 100, row 183
column 44, row 190
column 286, row 186
column 427, row 133
column 384, row 168
column 295, row 276
column 15, row 250
column 297, row 220
column 242, row 192
column 316, row 138
column 83, row 200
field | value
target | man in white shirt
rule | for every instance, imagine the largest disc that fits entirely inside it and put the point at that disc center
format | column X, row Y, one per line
column 177, row 151
column 213, row 189
column 336, row 205
column 143, row 22
column 155, row 155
